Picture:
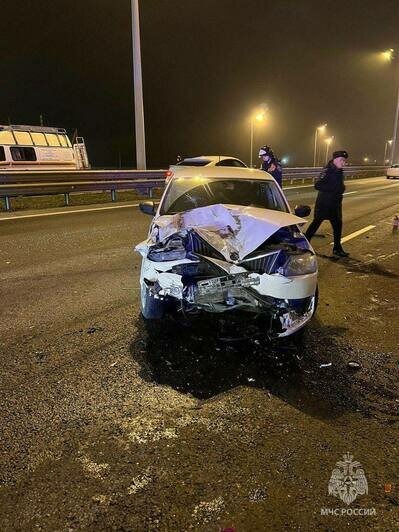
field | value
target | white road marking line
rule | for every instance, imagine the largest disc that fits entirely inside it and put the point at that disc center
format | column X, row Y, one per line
column 355, row 234
column 300, row 186
column 67, row 212
column 353, row 192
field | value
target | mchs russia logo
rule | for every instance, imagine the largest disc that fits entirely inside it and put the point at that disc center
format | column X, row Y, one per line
column 347, row 480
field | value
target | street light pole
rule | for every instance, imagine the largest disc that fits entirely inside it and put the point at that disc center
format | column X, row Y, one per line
column 252, row 140
column 328, row 143
column 395, row 129
column 138, row 89
column 385, row 153
column 315, row 146
column 260, row 116
column 316, row 138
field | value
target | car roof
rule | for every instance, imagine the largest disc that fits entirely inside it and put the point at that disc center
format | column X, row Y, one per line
column 210, row 158
column 219, row 172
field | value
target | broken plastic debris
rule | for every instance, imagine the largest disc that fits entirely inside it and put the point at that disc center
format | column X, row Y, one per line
column 250, row 379
column 92, row 330
column 354, row 365
column 327, row 365
column 388, row 488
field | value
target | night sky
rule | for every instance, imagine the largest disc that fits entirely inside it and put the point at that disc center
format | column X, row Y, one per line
column 206, row 65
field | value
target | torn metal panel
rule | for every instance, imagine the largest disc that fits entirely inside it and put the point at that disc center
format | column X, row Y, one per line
column 170, row 284
column 151, row 270
column 235, row 231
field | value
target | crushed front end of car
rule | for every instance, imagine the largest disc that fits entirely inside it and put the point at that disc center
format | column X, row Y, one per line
column 226, row 258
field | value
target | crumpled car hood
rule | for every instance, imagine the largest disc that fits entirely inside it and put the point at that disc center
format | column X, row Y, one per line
column 233, row 230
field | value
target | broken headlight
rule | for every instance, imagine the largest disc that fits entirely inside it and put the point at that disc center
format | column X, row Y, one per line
column 173, row 249
column 299, row 264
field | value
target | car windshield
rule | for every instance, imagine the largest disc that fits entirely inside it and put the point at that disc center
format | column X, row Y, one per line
column 193, row 162
column 191, row 193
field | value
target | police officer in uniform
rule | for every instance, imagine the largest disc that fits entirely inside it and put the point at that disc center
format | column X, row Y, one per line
column 330, row 186
column 270, row 164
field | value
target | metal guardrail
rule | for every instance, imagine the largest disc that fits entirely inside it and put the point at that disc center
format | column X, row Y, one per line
column 312, row 172
column 36, row 183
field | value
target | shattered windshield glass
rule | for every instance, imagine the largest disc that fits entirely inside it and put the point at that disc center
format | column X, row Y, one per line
column 186, row 194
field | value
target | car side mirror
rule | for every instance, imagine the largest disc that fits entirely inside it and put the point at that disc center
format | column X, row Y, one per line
column 302, row 210
column 148, row 207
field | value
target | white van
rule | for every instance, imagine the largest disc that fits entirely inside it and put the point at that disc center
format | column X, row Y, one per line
column 39, row 148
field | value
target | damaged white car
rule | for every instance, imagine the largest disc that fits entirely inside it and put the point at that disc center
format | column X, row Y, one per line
column 223, row 240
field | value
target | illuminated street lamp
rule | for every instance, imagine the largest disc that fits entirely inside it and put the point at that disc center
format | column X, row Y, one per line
column 316, row 135
column 388, row 54
column 387, row 143
column 257, row 116
column 366, row 159
column 328, row 144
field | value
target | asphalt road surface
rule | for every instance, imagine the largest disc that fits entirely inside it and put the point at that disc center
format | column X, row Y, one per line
column 108, row 426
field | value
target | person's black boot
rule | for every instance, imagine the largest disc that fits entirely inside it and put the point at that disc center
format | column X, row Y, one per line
column 340, row 253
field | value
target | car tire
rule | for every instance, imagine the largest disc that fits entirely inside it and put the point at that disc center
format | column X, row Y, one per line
column 151, row 307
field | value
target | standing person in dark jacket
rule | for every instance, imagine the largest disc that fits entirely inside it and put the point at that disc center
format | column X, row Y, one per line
column 330, row 185
column 270, row 164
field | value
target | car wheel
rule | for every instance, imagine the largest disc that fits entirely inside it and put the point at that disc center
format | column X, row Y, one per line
column 151, row 307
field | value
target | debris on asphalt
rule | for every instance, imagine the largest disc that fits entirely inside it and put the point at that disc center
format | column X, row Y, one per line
column 250, row 379
column 388, row 488
column 40, row 355
column 354, row 365
column 139, row 483
column 92, row 330
column 327, row 365
column 258, row 494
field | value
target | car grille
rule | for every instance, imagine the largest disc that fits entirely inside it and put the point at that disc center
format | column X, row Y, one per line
column 265, row 264
column 262, row 264
column 200, row 246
